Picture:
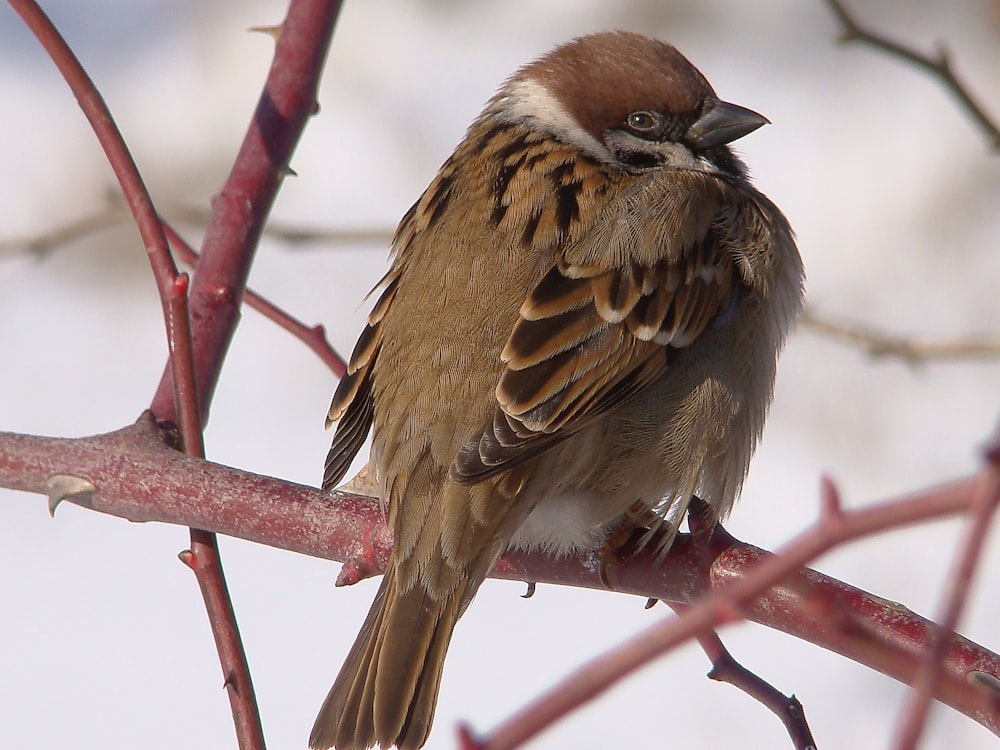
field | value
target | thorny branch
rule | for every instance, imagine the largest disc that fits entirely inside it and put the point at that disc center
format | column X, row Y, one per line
column 943, row 666
column 134, row 474
column 312, row 336
column 198, row 328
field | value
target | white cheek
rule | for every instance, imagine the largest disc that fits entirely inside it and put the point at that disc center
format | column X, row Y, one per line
column 528, row 101
column 681, row 157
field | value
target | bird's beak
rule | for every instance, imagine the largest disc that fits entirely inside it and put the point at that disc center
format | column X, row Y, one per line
column 723, row 123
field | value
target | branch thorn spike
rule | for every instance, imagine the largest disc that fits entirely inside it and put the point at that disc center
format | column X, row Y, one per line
column 68, row 487
column 829, row 499
column 466, row 740
column 272, row 31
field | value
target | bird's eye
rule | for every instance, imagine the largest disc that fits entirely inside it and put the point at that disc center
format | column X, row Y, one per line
column 645, row 124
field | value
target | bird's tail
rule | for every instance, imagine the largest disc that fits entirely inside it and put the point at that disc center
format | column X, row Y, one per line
column 388, row 687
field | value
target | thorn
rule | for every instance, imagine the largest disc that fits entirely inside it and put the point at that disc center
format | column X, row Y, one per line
column 356, row 568
column 315, row 108
column 68, row 487
column 287, row 171
column 829, row 500
column 942, row 57
column 530, row 592
column 272, row 31
column 650, row 603
column 230, row 682
column 466, row 739
column 992, row 452
column 186, row 557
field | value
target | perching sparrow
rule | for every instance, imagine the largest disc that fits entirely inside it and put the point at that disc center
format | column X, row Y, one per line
column 583, row 312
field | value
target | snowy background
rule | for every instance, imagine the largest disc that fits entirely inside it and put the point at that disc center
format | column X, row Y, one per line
column 103, row 639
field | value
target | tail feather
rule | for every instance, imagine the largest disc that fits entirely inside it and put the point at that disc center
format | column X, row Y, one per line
column 387, row 689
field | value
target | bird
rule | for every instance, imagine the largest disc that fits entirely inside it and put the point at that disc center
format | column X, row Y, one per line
column 578, row 331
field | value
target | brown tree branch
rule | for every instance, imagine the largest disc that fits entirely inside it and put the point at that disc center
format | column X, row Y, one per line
column 938, row 65
column 913, row 350
column 292, row 234
column 873, row 341
column 113, row 212
column 134, row 474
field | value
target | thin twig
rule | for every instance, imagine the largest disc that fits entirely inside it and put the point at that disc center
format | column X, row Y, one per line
column 113, row 212
column 296, row 235
column 938, row 65
column 725, row 668
column 312, row 336
column 913, row 350
column 40, row 245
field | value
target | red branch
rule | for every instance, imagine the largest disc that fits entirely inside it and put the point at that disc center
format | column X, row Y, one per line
column 132, row 473
column 984, row 505
column 312, row 336
column 725, row 668
column 200, row 326
column 241, row 207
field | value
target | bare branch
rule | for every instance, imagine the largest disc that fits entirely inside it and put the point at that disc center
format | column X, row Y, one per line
column 242, row 205
column 984, row 506
column 725, row 668
column 312, row 336
column 296, row 235
column 136, row 475
column 193, row 367
column 913, row 350
column 871, row 340
column 112, row 212
column 736, row 585
column 938, row 65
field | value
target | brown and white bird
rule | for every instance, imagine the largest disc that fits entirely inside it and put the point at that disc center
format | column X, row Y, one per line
column 582, row 317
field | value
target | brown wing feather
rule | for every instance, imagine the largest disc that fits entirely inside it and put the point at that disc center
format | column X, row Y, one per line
column 587, row 339
column 353, row 405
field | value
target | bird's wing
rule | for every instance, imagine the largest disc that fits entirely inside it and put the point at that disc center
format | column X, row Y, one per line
column 353, row 403
column 607, row 318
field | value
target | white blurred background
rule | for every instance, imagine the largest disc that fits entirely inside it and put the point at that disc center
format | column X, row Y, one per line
column 894, row 195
